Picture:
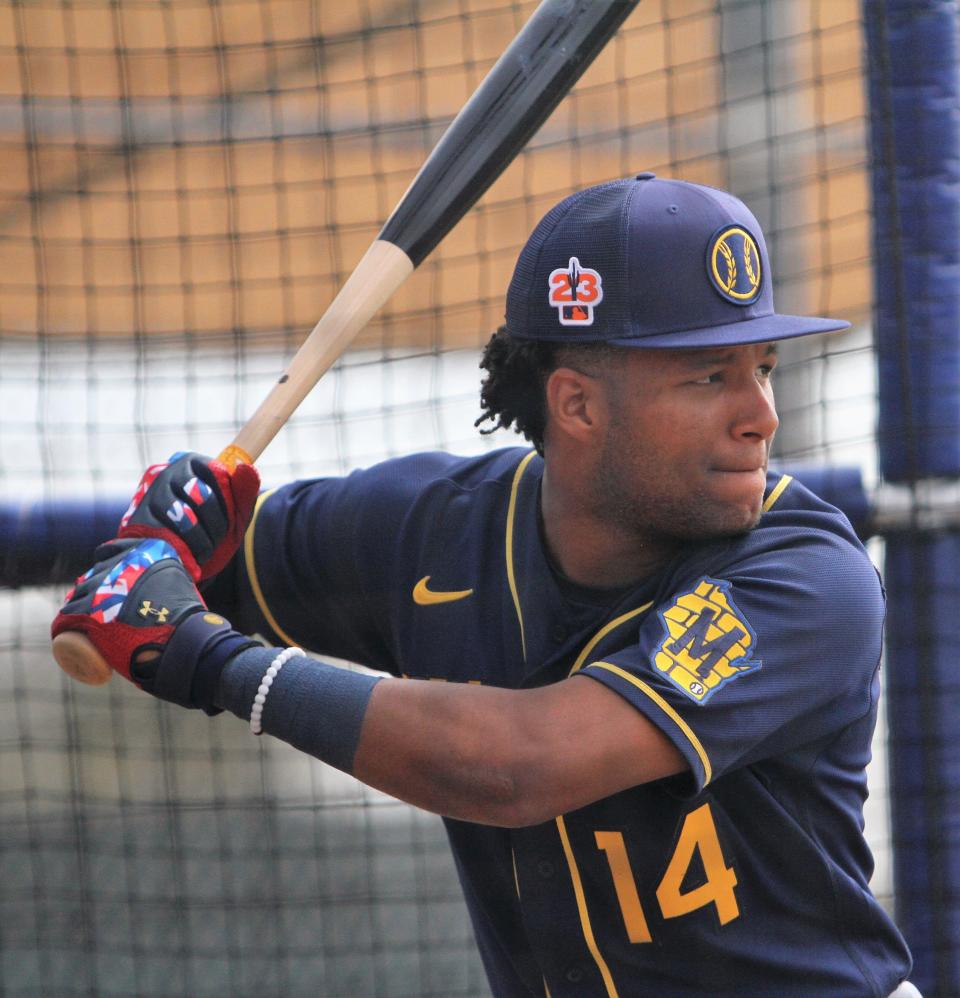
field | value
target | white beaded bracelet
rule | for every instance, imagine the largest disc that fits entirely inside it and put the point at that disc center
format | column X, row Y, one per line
column 256, row 712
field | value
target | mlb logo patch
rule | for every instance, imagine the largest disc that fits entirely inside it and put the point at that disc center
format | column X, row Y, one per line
column 706, row 642
column 574, row 292
column 571, row 315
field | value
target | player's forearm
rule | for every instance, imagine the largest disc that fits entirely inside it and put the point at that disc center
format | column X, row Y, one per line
column 454, row 750
column 478, row 753
column 507, row 757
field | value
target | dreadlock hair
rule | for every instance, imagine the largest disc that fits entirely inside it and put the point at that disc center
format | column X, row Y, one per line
column 513, row 392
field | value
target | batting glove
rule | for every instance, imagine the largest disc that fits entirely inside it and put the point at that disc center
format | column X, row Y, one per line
column 139, row 598
column 198, row 505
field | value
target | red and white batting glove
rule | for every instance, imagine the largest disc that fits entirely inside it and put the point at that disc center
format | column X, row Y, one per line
column 198, row 505
column 140, row 599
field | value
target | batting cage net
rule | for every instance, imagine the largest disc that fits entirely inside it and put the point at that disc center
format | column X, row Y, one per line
column 185, row 186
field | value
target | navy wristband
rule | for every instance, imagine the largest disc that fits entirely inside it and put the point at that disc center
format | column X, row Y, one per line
column 316, row 707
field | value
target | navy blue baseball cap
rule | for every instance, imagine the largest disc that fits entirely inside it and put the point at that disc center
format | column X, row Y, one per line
column 650, row 262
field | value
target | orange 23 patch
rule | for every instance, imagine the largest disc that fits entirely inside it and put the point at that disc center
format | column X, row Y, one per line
column 706, row 642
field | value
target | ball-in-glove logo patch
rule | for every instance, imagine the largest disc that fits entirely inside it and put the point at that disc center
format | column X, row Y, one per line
column 733, row 265
column 706, row 642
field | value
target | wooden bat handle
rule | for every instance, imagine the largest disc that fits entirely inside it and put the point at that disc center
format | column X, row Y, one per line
column 381, row 270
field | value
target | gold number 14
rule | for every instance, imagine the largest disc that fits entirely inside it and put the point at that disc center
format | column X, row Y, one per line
column 699, row 833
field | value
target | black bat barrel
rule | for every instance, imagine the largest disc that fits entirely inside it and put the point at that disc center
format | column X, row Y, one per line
column 527, row 82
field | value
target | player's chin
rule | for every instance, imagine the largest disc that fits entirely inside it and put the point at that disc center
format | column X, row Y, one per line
column 730, row 522
column 736, row 501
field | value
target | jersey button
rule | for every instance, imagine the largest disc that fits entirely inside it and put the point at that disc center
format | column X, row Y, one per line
column 545, row 868
column 574, row 974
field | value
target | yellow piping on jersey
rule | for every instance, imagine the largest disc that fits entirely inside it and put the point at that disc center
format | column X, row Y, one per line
column 511, row 513
column 516, row 883
column 667, row 709
column 252, row 571
column 584, row 914
column 604, row 631
column 777, row 491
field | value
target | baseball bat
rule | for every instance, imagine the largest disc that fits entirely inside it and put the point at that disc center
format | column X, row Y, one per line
column 528, row 81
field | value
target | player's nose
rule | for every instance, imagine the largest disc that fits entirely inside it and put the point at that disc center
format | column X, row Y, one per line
column 755, row 413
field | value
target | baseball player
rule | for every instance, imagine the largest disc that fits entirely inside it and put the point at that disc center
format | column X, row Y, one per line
column 659, row 660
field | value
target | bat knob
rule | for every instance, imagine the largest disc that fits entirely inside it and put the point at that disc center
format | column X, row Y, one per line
column 78, row 657
column 233, row 455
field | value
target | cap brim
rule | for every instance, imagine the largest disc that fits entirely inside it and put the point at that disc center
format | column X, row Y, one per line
column 764, row 329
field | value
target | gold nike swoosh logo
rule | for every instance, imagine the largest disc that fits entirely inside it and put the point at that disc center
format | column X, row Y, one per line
column 427, row 597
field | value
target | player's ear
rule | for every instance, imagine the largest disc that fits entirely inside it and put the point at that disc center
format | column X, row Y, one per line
column 576, row 403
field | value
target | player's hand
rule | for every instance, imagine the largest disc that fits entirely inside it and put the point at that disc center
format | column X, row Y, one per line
column 198, row 505
column 140, row 608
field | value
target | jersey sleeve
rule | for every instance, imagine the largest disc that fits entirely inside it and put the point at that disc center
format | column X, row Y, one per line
column 318, row 560
column 769, row 653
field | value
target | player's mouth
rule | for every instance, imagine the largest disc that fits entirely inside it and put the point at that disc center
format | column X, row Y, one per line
column 741, row 472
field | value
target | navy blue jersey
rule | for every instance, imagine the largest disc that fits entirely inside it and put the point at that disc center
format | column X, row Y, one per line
column 756, row 655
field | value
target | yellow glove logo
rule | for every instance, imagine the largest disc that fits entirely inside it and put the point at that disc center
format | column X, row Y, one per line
column 706, row 641
column 147, row 608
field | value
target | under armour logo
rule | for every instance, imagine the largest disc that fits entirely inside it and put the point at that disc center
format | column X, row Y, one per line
column 147, row 608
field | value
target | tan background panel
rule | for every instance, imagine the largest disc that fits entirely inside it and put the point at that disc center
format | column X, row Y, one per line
column 220, row 169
